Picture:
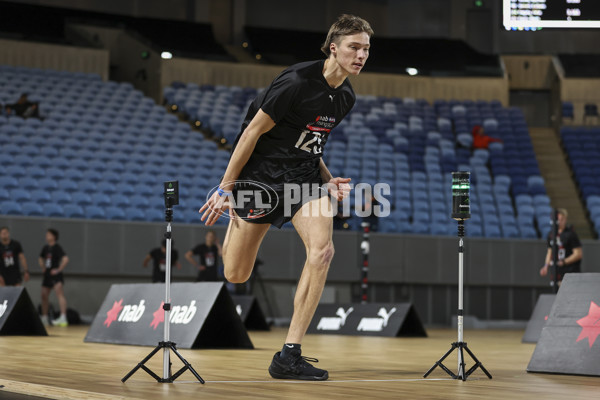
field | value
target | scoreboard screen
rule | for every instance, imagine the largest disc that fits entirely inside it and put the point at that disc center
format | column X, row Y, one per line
column 533, row 15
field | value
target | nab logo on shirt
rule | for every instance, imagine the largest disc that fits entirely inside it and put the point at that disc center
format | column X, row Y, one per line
column 334, row 323
column 3, row 308
column 376, row 324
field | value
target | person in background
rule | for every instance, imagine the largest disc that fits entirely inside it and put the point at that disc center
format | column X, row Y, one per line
column 208, row 256
column 159, row 261
column 24, row 108
column 53, row 261
column 480, row 139
column 570, row 252
column 11, row 260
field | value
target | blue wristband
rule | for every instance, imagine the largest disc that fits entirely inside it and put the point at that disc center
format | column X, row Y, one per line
column 221, row 192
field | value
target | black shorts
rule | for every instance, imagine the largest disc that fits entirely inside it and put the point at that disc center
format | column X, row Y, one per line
column 275, row 205
column 11, row 276
column 51, row 280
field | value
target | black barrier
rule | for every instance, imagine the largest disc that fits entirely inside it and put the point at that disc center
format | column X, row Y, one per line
column 250, row 312
column 538, row 318
column 399, row 319
column 202, row 316
column 17, row 313
column 570, row 343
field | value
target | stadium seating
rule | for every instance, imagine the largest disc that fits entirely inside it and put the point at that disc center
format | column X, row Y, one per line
column 102, row 151
column 92, row 155
column 582, row 145
column 413, row 146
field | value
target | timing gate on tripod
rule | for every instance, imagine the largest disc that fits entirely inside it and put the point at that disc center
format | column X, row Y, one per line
column 171, row 199
column 364, row 269
column 461, row 211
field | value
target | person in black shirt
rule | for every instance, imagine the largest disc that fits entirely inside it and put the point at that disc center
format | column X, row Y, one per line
column 281, row 143
column 570, row 252
column 159, row 261
column 208, row 255
column 11, row 257
column 24, row 108
column 53, row 261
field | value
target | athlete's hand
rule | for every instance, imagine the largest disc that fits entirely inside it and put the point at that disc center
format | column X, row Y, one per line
column 544, row 270
column 26, row 276
column 213, row 208
column 54, row 272
column 339, row 188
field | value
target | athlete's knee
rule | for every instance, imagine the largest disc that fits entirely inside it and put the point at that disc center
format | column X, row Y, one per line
column 236, row 275
column 320, row 255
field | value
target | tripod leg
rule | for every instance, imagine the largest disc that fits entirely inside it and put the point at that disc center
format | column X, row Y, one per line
column 141, row 363
column 439, row 364
column 186, row 364
column 461, row 366
column 478, row 364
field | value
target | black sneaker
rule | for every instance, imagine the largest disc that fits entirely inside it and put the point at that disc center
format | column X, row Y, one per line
column 296, row 366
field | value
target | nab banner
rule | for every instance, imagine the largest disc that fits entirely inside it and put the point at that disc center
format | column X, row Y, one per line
column 399, row 319
column 570, row 340
column 538, row 318
column 18, row 316
column 202, row 316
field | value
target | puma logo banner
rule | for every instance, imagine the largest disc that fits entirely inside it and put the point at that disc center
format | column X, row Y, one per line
column 399, row 319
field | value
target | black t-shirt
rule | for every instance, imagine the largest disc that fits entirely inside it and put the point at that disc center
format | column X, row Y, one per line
column 209, row 256
column 567, row 241
column 305, row 109
column 52, row 256
column 159, row 263
column 9, row 256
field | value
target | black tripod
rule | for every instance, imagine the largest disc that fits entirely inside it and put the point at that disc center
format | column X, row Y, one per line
column 460, row 211
column 171, row 199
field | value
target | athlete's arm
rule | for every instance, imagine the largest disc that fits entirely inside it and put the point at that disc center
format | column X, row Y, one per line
column 544, row 269
column 23, row 262
column 190, row 257
column 146, row 260
column 574, row 257
column 63, row 263
column 260, row 124
column 41, row 263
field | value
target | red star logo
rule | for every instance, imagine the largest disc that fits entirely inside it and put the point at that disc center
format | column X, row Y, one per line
column 159, row 316
column 590, row 324
column 113, row 313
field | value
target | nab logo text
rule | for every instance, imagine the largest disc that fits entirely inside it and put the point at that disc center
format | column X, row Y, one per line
column 132, row 313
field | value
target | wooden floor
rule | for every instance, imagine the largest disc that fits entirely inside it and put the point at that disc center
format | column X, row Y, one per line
column 62, row 366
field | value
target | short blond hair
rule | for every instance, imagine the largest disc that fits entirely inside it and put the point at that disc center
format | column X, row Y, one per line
column 345, row 25
column 563, row 211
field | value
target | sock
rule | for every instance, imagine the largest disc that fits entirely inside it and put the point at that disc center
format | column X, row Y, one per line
column 288, row 348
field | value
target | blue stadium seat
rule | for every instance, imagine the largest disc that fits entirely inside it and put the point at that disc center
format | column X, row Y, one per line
column 32, row 209
column 73, row 211
column 61, row 198
column 115, row 213
column 20, row 195
column 53, row 210
column 9, row 207
column 94, row 212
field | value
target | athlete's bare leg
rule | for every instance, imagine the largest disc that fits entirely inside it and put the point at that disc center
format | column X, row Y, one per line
column 240, row 248
column 45, row 296
column 62, row 300
column 315, row 230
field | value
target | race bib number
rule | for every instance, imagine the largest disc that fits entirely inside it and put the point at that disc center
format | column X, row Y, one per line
column 210, row 260
column 310, row 142
column 9, row 260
